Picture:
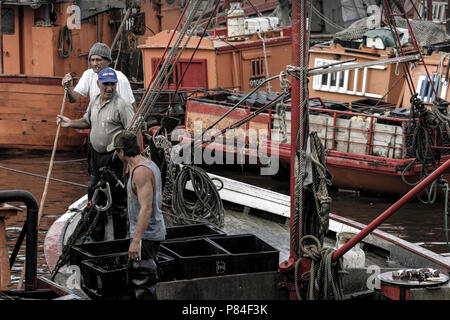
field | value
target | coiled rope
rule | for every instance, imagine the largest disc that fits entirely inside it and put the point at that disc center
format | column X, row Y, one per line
column 63, row 34
column 207, row 207
column 325, row 276
column 424, row 129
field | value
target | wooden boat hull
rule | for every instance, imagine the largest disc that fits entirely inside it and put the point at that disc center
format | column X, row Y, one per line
column 28, row 109
column 384, row 253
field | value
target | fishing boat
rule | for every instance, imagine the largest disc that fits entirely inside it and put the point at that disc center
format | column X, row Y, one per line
column 378, row 265
column 359, row 101
column 379, row 253
column 43, row 40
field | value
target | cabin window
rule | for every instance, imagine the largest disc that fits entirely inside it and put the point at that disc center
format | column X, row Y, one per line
column 425, row 91
column 8, row 21
column 257, row 68
column 333, row 82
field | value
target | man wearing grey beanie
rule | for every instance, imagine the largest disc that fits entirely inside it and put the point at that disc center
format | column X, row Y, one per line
column 99, row 57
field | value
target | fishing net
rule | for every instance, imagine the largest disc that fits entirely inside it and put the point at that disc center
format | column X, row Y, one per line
column 426, row 32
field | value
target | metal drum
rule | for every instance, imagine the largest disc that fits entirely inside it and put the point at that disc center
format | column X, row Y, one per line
column 400, row 289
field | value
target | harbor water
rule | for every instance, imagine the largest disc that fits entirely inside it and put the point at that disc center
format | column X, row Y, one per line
column 415, row 222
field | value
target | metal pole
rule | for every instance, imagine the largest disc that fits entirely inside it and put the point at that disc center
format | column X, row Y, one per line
column 295, row 112
column 30, row 266
column 429, row 10
column 391, row 210
column 122, row 25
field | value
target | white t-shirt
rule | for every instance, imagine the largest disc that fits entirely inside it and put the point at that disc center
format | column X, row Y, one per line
column 87, row 85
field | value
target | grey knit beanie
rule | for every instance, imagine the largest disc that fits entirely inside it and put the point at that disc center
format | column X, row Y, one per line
column 100, row 49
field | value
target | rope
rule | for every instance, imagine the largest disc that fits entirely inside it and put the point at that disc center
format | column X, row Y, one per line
column 265, row 60
column 39, row 176
column 300, row 155
column 200, row 136
column 320, row 189
column 422, row 139
column 325, row 276
column 65, row 32
column 162, row 78
column 208, row 206
column 326, row 20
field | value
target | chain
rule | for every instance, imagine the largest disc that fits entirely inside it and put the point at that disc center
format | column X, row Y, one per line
column 281, row 106
column 163, row 143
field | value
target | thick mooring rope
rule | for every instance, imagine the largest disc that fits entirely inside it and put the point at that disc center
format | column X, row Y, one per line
column 325, row 276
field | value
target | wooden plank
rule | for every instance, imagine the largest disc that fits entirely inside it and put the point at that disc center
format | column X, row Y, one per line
column 36, row 134
column 251, row 196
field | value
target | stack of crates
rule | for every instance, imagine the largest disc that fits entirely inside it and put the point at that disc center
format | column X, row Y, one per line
column 104, row 264
column 189, row 252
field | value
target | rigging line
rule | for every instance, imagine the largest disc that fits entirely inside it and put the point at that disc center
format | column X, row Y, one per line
column 198, row 44
column 415, row 9
column 150, row 99
column 233, row 108
column 154, row 96
column 393, row 29
column 413, row 37
column 244, row 120
column 258, row 13
column 326, row 19
column 65, row 161
column 416, row 46
column 39, row 176
column 390, row 89
column 162, row 57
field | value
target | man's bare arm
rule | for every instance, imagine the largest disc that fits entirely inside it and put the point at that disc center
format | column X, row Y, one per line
column 71, row 94
column 66, row 122
column 143, row 186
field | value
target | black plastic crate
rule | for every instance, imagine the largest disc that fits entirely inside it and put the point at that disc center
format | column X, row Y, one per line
column 249, row 253
column 106, row 277
column 192, row 231
column 166, row 267
column 100, row 249
column 196, row 258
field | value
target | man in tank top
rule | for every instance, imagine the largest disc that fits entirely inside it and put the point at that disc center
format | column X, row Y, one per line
column 146, row 222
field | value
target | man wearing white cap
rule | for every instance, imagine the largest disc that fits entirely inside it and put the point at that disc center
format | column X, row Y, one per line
column 106, row 115
column 99, row 58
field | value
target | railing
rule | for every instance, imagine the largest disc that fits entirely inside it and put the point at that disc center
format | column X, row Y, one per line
column 366, row 127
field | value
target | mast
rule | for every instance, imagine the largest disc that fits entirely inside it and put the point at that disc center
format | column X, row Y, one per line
column 299, row 131
column 298, row 92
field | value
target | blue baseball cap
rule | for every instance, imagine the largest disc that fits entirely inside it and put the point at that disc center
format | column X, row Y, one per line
column 107, row 75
